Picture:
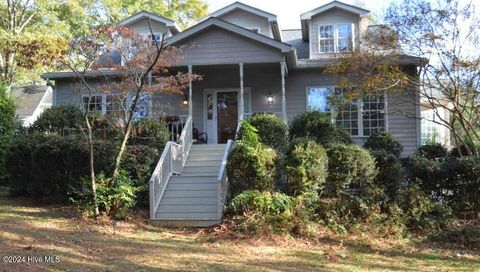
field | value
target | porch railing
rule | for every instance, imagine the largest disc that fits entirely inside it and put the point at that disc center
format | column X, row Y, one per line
column 176, row 127
column 171, row 162
column 222, row 181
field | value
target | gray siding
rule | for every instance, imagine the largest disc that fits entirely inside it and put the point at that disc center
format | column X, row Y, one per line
column 333, row 16
column 217, row 46
column 157, row 27
column 401, row 106
column 248, row 20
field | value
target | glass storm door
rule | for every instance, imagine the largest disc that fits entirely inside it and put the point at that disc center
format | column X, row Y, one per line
column 227, row 116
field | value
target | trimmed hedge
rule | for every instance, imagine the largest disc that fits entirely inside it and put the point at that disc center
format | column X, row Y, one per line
column 60, row 119
column 318, row 125
column 306, row 167
column 273, row 132
column 384, row 140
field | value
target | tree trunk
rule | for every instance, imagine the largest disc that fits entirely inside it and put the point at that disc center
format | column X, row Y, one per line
column 92, row 167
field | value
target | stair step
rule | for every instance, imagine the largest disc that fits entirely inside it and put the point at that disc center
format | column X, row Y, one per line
column 199, row 157
column 185, row 216
column 191, row 186
column 204, row 163
column 197, row 208
column 207, row 152
column 194, row 179
column 201, row 169
column 209, row 147
column 190, row 193
column 189, row 200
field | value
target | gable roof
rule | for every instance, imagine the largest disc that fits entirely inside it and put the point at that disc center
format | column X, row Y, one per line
column 283, row 47
column 145, row 14
column 28, row 98
column 238, row 5
column 334, row 4
column 271, row 18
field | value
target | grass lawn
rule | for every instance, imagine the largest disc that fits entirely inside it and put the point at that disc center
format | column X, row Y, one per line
column 84, row 245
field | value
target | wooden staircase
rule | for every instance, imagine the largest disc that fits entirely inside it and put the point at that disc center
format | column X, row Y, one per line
column 195, row 196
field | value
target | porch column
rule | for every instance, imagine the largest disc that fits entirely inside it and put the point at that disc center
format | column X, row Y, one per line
column 284, row 102
column 190, row 100
column 241, row 109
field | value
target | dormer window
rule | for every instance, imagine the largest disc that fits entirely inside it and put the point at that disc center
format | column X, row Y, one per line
column 335, row 38
column 156, row 38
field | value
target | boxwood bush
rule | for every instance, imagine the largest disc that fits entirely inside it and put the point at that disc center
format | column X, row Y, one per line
column 349, row 167
column 318, row 125
column 271, row 129
column 59, row 119
column 433, row 151
column 390, row 173
column 306, row 167
column 149, row 132
column 384, row 140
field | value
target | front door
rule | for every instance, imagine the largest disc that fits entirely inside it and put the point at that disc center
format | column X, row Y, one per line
column 221, row 114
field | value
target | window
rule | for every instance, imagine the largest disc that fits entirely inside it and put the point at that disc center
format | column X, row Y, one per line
column 360, row 117
column 143, row 106
column 317, row 99
column 93, row 103
column 157, row 37
column 115, row 106
column 335, row 38
column 327, row 39
column 432, row 130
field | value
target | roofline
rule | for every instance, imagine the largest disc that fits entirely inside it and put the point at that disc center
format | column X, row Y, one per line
column 347, row 7
column 65, row 74
column 137, row 16
column 270, row 16
column 213, row 21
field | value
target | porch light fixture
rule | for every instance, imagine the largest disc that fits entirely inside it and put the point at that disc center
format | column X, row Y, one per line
column 185, row 101
column 270, row 98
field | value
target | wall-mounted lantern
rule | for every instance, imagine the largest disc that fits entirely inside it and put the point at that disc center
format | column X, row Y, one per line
column 270, row 98
column 185, row 101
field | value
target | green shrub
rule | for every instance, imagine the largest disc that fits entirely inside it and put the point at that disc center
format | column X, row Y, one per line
column 59, row 120
column 390, row 173
column 7, row 127
column 248, row 134
column 149, row 132
column 433, row 151
column 428, row 174
column 384, row 140
column 420, row 212
column 114, row 201
column 464, row 236
column 139, row 163
column 306, row 167
column 271, row 130
column 262, row 211
column 251, row 167
column 349, row 167
column 318, row 125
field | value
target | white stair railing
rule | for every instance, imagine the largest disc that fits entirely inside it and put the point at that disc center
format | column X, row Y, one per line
column 171, row 162
column 222, row 181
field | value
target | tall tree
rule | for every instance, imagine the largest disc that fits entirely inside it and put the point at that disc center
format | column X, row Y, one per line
column 145, row 68
column 445, row 33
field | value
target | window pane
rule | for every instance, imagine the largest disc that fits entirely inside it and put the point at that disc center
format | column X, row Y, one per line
column 373, row 113
column 143, row 106
column 209, row 107
column 345, row 38
column 326, row 39
column 318, row 99
column 95, row 103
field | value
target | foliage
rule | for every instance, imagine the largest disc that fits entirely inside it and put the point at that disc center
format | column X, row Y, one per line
column 60, row 120
column 262, row 211
column 384, row 140
column 428, row 174
column 7, row 126
column 149, row 132
column 463, row 235
column 420, row 212
column 114, row 201
column 390, row 173
column 318, row 125
column 306, row 167
column 139, row 163
column 251, row 167
column 349, row 167
column 271, row 129
column 248, row 134
column 432, row 151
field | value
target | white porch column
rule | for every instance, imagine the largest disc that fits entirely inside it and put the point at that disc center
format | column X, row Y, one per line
column 190, row 100
column 241, row 109
column 284, row 102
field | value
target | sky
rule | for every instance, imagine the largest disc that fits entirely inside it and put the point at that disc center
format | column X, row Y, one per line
column 288, row 11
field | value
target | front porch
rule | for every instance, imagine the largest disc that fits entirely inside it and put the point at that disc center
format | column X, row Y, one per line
column 226, row 95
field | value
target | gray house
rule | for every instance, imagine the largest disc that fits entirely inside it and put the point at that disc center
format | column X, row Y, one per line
column 250, row 65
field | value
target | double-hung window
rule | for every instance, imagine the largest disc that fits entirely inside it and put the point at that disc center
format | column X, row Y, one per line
column 360, row 117
column 335, row 38
column 93, row 103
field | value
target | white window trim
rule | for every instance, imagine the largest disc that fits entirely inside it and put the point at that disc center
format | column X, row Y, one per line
column 104, row 101
column 360, row 110
column 335, row 37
